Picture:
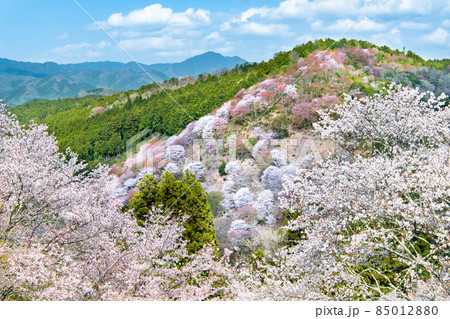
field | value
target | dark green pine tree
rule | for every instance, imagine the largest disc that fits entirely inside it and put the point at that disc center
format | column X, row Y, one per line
column 131, row 125
column 184, row 196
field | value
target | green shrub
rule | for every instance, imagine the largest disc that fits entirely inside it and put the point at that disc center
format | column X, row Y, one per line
column 222, row 168
column 280, row 126
column 214, row 199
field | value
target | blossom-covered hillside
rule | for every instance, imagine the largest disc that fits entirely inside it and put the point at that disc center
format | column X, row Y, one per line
column 243, row 150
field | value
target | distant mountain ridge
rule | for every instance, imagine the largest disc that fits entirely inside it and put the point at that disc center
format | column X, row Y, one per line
column 209, row 61
column 24, row 81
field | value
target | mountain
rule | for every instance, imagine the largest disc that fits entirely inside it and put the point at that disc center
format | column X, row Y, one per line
column 205, row 63
column 24, row 81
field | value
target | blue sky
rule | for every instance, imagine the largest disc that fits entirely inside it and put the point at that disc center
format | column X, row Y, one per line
column 170, row 31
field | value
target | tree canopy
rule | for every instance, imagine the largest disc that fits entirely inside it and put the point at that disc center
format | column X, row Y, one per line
column 184, row 198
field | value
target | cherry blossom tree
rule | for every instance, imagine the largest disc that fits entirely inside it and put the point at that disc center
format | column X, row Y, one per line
column 64, row 237
column 211, row 146
column 220, row 125
column 265, row 204
column 232, row 169
column 291, row 91
column 354, row 216
column 304, row 113
column 173, row 169
column 358, row 213
column 223, row 112
column 260, row 147
column 197, row 169
column 260, row 134
column 278, row 157
column 239, row 231
column 400, row 117
column 199, row 126
column 228, row 189
column 176, row 154
column 272, row 179
column 243, row 197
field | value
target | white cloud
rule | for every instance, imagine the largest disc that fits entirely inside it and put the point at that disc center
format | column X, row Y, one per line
column 156, row 14
column 362, row 25
column 128, row 33
column 304, row 9
column 214, row 37
column 228, row 48
column 262, row 12
column 414, row 26
column 291, row 8
column 70, row 48
column 226, row 26
column 419, row 7
column 103, row 44
column 84, row 51
column 304, row 38
column 317, row 25
column 264, row 29
column 152, row 43
column 392, row 38
column 255, row 28
column 439, row 36
column 446, row 23
column 62, row 36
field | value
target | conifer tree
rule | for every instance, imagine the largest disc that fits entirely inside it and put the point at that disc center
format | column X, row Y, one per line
column 183, row 197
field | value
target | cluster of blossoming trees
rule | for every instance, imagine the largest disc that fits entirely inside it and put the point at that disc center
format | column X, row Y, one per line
column 371, row 225
column 375, row 225
column 63, row 235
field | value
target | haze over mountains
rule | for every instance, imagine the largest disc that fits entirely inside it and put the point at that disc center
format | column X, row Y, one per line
column 24, row 81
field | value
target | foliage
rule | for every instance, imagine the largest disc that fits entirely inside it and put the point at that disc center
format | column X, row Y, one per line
column 222, row 168
column 214, row 199
column 183, row 197
column 280, row 126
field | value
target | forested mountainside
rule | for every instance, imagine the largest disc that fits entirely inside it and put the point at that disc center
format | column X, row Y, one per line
column 24, row 81
column 20, row 85
column 97, row 128
column 245, row 147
